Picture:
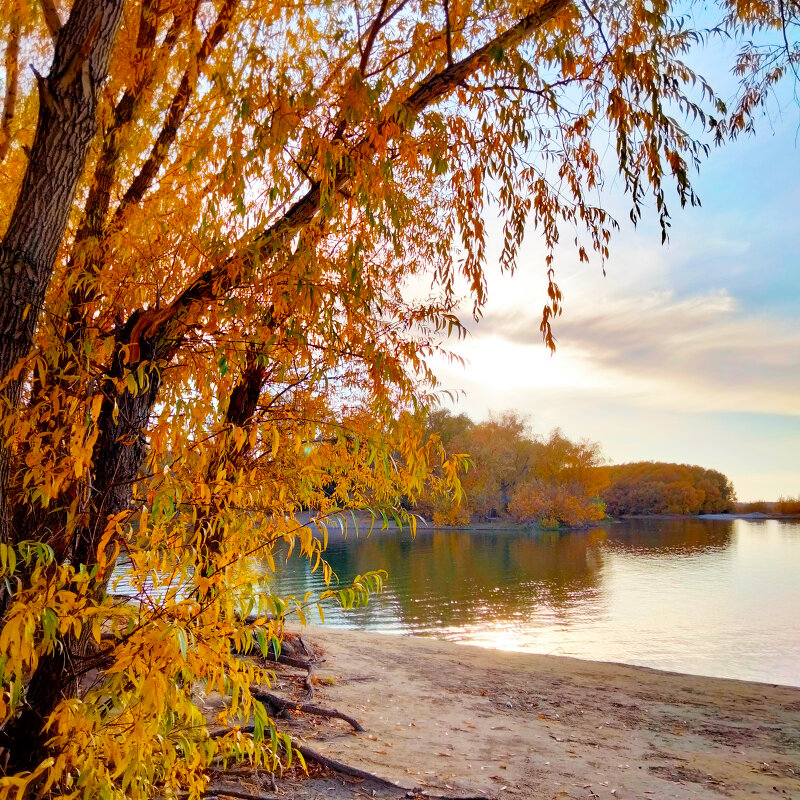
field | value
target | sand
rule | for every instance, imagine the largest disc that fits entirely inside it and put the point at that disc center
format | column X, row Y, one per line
column 465, row 721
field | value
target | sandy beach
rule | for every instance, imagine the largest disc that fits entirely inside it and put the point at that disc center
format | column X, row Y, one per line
column 464, row 722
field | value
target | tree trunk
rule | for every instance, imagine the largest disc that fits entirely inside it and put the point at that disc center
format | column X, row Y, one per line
column 118, row 456
column 65, row 128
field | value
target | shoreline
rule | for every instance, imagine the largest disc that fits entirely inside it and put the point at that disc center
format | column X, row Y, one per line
column 463, row 720
column 364, row 524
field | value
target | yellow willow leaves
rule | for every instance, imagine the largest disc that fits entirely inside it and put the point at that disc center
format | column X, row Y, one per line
column 279, row 213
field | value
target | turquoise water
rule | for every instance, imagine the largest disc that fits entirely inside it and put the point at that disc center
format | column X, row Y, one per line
column 706, row 597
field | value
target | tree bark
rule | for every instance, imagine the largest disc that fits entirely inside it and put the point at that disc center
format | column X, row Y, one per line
column 65, row 128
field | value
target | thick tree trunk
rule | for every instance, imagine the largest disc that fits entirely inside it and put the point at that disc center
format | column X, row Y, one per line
column 23, row 737
column 65, row 128
column 118, row 456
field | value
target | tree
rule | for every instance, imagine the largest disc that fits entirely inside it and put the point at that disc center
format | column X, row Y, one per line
column 649, row 487
column 210, row 213
column 563, row 484
column 551, row 481
column 501, row 451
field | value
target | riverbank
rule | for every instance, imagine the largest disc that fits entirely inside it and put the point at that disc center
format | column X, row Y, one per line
column 361, row 524
column 464, row 721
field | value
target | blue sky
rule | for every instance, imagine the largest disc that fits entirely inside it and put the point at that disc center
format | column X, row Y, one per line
column 687, row 352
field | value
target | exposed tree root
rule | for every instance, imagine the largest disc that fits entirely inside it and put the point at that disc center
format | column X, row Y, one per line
column 298, row 663
column 342, row 768
column 354, row 772
column 277, row 704
column 282, row 704
column 219, row 793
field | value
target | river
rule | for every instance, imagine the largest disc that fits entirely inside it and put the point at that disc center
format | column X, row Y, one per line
column 707, row 597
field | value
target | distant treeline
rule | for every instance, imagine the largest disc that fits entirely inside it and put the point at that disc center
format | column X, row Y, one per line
column 649, row 487
column 553, row 481
column 784, row 506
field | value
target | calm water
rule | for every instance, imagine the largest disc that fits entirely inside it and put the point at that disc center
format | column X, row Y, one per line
column 706, row 597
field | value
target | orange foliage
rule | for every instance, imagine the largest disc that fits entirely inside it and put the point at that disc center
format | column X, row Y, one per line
column 212, row 215
column 551, row 481
column 788, row 505
column 553, row 505
column 658, row 488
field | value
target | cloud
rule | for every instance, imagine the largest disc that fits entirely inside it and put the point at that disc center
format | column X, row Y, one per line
column 695, row 353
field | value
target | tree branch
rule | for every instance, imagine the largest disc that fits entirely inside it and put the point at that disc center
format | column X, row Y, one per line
column 12, row 74
column 97, row 204
column 176, row 112
column 165, row 324
column 51, row 18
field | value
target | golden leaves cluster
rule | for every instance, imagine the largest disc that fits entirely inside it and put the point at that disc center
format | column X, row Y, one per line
column 277, row 219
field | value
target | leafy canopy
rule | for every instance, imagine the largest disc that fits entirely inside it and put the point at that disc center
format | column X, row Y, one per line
column 217, row 216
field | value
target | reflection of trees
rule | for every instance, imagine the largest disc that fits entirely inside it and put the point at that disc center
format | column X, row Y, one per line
column 673, row 536
column 449, row 577
column 446, row 579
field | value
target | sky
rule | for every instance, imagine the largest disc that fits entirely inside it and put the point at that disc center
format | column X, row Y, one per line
column 687, row 352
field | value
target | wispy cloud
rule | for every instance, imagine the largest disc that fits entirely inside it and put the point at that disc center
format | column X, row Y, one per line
column 692, row 353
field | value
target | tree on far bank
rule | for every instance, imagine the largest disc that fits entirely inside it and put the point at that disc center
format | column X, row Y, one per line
column 514, row 474
column 211, row 211
column 648, row 487
column 563, row 484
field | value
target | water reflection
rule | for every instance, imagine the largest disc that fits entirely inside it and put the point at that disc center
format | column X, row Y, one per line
column 714, row 597
column 687, row 537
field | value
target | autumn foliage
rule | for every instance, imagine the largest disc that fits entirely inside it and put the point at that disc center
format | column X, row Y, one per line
column 656, row 488
column 514, row 475
column 216, row 217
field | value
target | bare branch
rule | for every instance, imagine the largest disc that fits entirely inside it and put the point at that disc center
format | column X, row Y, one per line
column 51, row 18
